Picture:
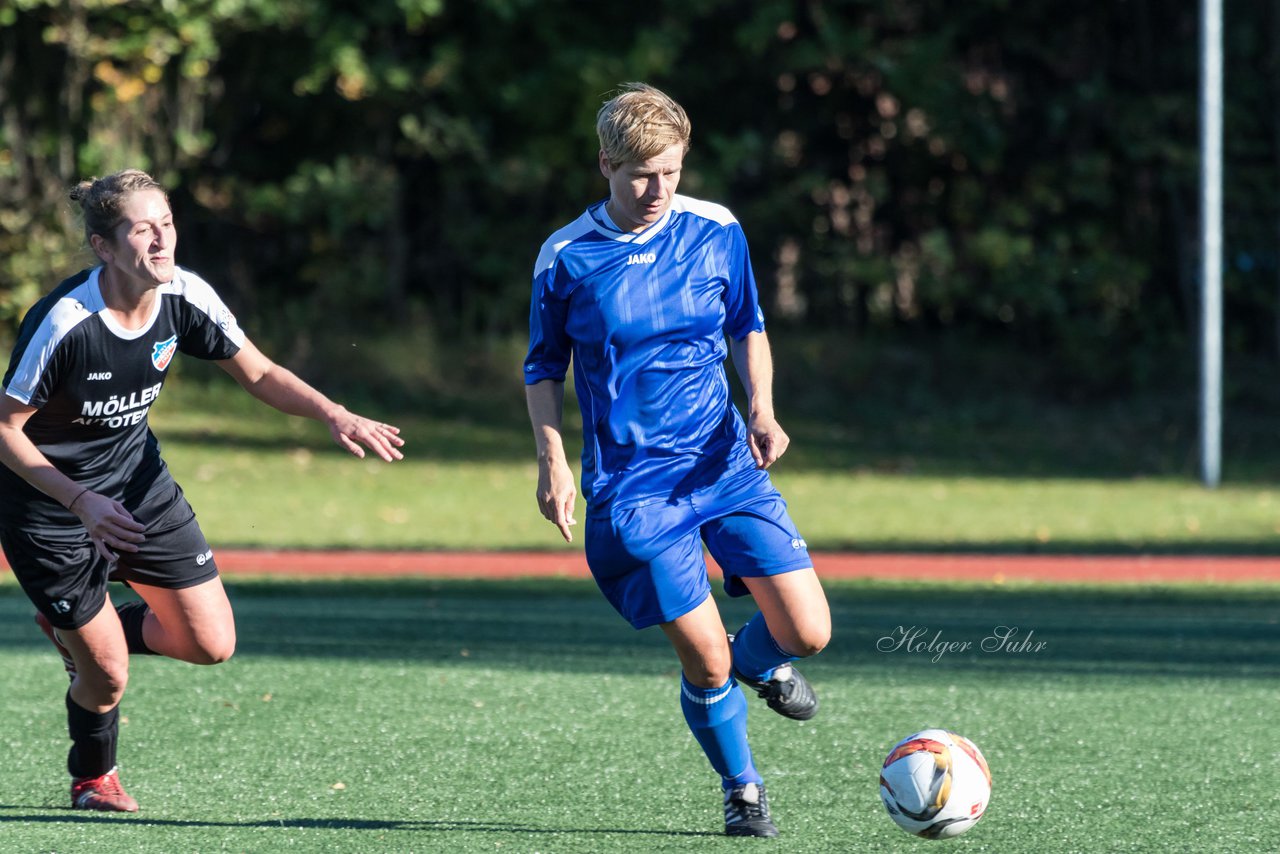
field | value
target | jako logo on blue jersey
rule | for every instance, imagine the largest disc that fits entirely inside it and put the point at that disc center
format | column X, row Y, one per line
column 162, row 352
column 642, row 258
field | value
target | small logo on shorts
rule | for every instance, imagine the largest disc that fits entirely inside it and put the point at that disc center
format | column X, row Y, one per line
column 62, row 606
column 798, row 544
column 201, row 560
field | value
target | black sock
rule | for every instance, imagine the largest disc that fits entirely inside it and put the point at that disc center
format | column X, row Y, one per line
column 93, row 740
column 131, row 616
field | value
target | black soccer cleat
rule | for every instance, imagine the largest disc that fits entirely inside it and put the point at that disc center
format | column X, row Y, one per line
column 786, row 691
column 746, row 811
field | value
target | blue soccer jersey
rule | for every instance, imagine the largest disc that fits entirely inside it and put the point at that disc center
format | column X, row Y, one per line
column 643, row 316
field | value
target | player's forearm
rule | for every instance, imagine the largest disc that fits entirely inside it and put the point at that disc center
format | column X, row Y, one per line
column 546, row 407
column 279, row 387
column 20, row 455
column 282, row 389
column 753, row 361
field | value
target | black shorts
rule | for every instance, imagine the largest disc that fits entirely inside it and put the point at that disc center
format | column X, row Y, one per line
column 66, row 578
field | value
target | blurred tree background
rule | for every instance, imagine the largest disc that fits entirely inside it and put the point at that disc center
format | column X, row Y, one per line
column 1014, row 179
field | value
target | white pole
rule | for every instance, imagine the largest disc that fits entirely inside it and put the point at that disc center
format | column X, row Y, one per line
column 1211, row 241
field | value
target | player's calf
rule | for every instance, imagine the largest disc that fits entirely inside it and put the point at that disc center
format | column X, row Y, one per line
column 68, row 663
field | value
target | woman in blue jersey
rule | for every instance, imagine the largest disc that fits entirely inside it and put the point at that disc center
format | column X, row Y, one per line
column 84, row 495
column 639, row 293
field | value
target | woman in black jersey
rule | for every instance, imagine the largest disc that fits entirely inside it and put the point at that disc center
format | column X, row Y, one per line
column 84, row 494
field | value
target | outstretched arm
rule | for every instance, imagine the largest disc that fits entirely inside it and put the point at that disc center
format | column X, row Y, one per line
column 754, row 362
column 556, row 492
column 282, row 389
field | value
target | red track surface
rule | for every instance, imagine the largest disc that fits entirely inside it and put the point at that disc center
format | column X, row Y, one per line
column 572, row 564
column 1059, row 568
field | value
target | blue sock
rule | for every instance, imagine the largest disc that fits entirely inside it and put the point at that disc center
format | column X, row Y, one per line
column 755, row 653
column 718, row 719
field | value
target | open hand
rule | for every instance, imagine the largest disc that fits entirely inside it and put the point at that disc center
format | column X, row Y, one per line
column 351, row 431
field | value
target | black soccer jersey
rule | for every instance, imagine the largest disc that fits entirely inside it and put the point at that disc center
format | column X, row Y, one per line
column 93, row 383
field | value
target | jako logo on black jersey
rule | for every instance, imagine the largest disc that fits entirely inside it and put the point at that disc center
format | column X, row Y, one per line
column 99, row 375
column 162, row 352
column 642, row 258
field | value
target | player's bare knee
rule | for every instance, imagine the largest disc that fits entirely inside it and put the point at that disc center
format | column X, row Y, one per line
column 104, row 682
column 806, row 640
column 217, row 651
column 815, row 639
column 709, row 678
column 210, row 649
column 711, row 671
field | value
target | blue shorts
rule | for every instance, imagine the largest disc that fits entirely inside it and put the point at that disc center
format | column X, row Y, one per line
column 648, row 559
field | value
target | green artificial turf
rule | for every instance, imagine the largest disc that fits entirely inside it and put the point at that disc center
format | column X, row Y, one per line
column 261, row 479
column 436, row 716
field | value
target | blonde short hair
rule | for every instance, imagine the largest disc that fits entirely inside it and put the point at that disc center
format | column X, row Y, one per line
column 640, row 122
column 101, row 200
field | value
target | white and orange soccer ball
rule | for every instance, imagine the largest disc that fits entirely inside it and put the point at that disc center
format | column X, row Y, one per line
column 935, row 784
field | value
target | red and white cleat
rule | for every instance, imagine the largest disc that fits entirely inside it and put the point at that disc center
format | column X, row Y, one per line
column 101, row 793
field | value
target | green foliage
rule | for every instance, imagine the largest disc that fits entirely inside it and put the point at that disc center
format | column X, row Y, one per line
column 1027, row 170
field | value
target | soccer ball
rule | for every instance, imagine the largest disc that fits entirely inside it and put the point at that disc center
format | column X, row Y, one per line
column 935, row 784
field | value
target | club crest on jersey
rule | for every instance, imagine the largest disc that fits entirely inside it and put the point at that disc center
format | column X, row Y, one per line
column 641, row 258
column 162, row 352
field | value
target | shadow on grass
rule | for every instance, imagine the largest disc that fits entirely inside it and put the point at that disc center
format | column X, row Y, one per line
column 68, row 816
column 886, row 628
